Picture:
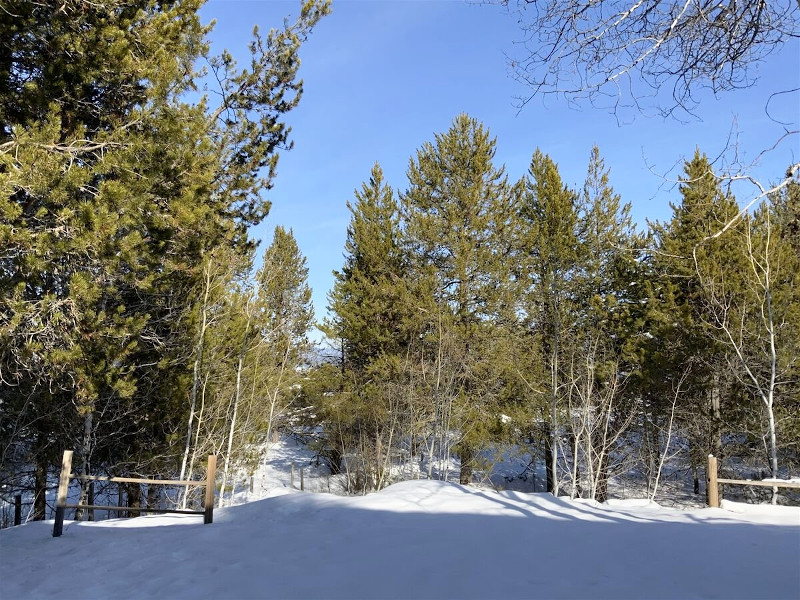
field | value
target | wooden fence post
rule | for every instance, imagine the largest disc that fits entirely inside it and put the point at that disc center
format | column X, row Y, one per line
column 302, row 485
column 711, row 482
column 291, row 478
column 211, row 481
column 63, row 487
column 17, row 510
column 91, row 500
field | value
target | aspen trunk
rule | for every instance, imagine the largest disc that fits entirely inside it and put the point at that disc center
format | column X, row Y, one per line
column 85, row 453
column 198, row 360
column 237, row 396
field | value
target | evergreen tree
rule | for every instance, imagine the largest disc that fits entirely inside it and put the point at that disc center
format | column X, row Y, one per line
column 750, row 312
column 548, row 242
column 602, row 330
column 687, row 256
column 285, row 317
column 458, row 213
column 369, row 299
column 112, row 190
column 379, row 313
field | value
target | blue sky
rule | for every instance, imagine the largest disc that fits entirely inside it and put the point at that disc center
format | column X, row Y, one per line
column 381, row 77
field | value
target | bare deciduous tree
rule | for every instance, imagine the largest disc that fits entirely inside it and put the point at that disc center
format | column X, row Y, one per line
column 753, row 318
column 602, row 50
column 627, row 54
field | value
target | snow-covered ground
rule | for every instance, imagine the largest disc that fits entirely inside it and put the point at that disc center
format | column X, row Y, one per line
column 417, row 539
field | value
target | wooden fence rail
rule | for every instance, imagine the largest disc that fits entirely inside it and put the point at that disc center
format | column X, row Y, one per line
column 714, row 482
column 66, row 475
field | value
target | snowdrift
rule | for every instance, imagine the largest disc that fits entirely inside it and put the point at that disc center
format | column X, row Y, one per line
column 418, row 539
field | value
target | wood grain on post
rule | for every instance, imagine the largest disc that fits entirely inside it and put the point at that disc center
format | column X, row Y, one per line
column 63, row 487
column 17, row 510
column 211, row 477
column 711, row 482
column 302, row 484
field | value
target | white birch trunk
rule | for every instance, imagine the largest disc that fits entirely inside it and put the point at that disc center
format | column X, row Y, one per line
column 237, row 395
column 198, row 359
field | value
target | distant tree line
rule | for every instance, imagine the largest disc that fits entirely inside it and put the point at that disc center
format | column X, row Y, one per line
column 473, row 311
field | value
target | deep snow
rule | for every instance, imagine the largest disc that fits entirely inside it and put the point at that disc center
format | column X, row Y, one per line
column 418, row 539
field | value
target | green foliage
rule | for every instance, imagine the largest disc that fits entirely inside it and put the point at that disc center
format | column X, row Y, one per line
column 457, row 210
column 371, row 300
column 690, row 259
column 113, row 189
column 470, row 298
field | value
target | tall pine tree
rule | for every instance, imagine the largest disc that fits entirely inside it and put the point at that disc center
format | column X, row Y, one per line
column 548, row 245
column 112, row 189
column 458, row 212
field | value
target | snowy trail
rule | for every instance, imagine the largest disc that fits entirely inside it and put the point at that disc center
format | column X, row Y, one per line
column 418, row 539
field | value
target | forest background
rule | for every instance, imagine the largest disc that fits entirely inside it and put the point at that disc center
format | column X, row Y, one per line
column 474, row 308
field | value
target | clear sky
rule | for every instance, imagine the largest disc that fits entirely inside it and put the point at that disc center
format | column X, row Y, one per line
column 381, row 77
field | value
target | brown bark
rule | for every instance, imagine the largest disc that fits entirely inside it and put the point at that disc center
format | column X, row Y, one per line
column 548, row 453
column 134, row 493
column 466, row 453
column 40, row 489
column 601, row 494
column 152, row 496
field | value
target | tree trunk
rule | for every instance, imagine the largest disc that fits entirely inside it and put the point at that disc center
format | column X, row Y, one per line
column 773, row 448
column 548, row 442
column 198, row 360
column 40, row 489
column 554, row 387
column 601, row 493
column 237, row 395
column 466, row 453
column 86, row 451
column 716, row 417
column 576, row 472
column 134, row 493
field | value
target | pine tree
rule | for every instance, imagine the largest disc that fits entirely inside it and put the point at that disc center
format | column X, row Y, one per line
column 458, row 210
column 379, row 312
column 285, row 317
column 369, row 300
column 687, row 257
column 749, row 314
column 112, row 190
column 548, row 243
column 602, row 330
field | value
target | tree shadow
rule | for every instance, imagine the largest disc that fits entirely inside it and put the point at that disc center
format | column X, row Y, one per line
column 408, row 544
